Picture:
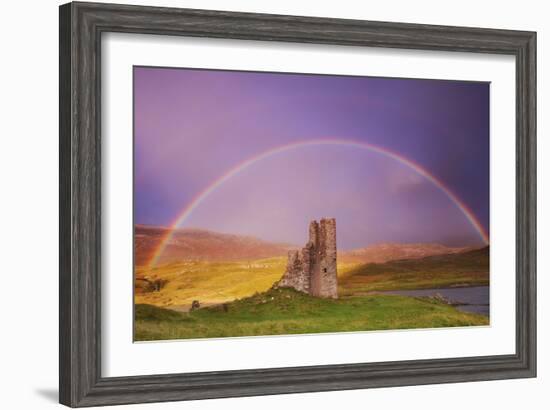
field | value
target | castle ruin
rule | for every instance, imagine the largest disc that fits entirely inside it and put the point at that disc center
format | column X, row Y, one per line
column 312, row 269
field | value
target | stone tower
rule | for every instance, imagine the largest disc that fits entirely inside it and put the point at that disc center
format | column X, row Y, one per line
column 312, row 269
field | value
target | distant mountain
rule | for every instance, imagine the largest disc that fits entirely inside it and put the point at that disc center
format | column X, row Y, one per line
column 385, row 252
column 198, row 244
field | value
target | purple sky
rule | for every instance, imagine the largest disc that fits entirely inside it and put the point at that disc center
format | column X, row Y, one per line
column 192, row 126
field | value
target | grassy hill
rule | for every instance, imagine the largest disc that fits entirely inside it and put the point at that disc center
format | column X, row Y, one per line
column 285, row 311
column 219, row 282
column 209, row 282
column 384, row 252
column 452, row 270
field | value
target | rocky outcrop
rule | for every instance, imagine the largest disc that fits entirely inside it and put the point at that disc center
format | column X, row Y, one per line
column 312, row 269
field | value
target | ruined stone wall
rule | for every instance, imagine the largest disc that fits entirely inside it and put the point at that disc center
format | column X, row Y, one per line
column 313, row 269
column 315, row 241
column 327, row 259
column 296, row 274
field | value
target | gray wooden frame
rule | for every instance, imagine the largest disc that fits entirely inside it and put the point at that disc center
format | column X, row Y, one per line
column 81, row 27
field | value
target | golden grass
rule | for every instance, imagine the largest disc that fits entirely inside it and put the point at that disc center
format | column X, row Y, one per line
column 214, row 282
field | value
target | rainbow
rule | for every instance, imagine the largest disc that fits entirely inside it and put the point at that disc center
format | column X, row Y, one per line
column 188, row 210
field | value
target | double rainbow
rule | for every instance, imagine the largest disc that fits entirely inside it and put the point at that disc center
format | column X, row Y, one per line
column 188, row 210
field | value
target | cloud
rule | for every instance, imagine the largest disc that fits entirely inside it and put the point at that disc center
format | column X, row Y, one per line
column 405, row 180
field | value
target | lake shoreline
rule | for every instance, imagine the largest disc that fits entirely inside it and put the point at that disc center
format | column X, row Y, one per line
column 473, row 299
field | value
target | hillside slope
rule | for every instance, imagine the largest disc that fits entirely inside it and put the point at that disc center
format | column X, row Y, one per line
column 177, row 284
column 208, row 282
column 197, row 244
column 385, row 252
column 451, row 270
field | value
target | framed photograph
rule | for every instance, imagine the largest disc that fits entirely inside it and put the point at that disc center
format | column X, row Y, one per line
column 261, row 204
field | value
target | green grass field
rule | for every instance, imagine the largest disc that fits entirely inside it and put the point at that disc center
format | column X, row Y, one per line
column 285, row 311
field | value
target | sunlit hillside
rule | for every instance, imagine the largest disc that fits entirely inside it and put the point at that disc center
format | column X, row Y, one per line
column 177, row 285
column 463, row 269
